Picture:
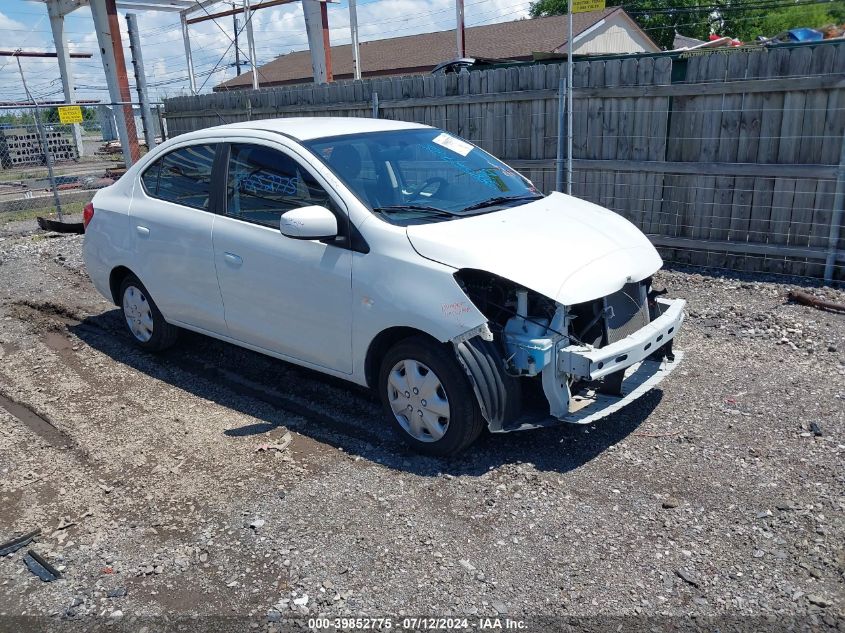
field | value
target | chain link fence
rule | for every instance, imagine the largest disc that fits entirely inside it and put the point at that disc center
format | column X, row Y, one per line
column 52, row 169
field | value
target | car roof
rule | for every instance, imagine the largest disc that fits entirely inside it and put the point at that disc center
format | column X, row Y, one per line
column 310, row 128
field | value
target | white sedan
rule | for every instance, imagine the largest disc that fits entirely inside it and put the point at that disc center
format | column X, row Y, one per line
column 394, row 255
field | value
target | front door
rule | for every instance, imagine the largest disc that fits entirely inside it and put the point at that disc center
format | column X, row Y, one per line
column 289, row 296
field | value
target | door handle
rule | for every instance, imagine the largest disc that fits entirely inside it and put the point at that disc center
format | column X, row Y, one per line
column 233, row 259
column 143, row 231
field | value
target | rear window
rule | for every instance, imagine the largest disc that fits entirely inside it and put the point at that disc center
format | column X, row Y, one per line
column 182, row 176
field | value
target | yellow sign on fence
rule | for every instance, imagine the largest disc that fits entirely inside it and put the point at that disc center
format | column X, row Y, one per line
column 582, row 6
column 70, row 114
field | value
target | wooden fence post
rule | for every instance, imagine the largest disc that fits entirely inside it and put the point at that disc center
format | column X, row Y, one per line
column 836, row 218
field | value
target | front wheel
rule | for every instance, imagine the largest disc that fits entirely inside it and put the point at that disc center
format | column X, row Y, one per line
column 428, row 398
column 143, row 319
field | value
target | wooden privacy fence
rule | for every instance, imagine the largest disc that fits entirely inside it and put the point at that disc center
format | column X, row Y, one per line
column 729, row 158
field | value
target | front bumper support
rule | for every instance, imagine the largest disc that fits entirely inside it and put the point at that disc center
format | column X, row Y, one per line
column 644, row 359
column 593, row 363
column 592, row 406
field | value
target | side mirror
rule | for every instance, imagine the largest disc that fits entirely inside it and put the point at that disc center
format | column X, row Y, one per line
column 308, row 223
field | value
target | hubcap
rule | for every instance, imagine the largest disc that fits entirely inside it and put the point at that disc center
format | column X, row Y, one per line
column 418, row 400
column 138, row 314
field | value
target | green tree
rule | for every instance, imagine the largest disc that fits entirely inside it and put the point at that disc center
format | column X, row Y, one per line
column 747, row 26
column 15, row 118
column 701, row 18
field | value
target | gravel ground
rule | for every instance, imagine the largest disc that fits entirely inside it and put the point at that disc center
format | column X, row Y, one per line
column 160, row 489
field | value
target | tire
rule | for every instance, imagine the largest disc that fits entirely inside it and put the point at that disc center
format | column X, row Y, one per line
column 143, row 319
column 445, row 397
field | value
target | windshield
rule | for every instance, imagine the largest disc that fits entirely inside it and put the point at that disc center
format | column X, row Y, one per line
column 422, row 175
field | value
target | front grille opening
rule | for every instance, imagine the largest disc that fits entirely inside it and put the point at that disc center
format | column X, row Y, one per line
column 610, row 319
column 626, row 311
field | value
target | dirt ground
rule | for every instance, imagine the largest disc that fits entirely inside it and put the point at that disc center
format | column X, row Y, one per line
column 160, row 493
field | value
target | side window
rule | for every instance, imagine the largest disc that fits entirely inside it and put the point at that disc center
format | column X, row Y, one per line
column 362, row 167
column 182, row 176
column 150, row 178
column 263, row 183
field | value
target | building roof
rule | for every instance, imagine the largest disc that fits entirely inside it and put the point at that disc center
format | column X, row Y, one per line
column 420, row 53
column 682, row 41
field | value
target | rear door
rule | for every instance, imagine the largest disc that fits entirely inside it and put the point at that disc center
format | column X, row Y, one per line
column 170, row 223
column 289, row 296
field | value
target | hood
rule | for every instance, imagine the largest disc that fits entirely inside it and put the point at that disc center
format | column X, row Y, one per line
column 565, row 248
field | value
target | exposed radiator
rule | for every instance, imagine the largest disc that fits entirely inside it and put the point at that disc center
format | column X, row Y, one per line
column 626, row 311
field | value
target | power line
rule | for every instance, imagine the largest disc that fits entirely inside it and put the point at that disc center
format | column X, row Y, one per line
column 247, row 21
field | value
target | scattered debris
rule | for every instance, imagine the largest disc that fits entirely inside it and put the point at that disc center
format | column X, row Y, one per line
column 60, row 227
column 810, row 300
column 656, row 434
column 16, row 543
column 688, row 577
column 501, row 607
column 110, row 147
column 39, row 566
column 115, row 173
column 65, row 523
column 281, row 446
column 818, row 600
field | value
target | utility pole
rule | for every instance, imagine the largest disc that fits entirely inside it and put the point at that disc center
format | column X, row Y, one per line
column 140, row 79
column 251, row 43
column 237, row 50
column 317, row 28
column 327, row 47
column 107, row 28
column 186, row 40
column 57, row 24
column 569, row 100
column 353, row 26
column 461, row 36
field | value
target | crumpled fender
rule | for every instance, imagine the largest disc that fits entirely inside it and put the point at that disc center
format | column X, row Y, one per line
column 499, row 394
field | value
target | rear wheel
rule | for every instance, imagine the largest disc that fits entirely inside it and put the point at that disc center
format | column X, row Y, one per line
column 143, row 319
column 428, row 397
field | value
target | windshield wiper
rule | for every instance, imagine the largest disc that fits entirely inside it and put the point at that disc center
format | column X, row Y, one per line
column 500, row 200
column 413, row 207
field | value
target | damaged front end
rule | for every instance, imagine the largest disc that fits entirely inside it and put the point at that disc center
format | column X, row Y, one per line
column 537, row 362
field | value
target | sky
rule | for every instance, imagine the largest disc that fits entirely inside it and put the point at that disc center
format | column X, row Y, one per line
column 278, row 30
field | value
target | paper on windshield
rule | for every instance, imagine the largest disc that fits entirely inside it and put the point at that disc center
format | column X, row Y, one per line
column 451, row 143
